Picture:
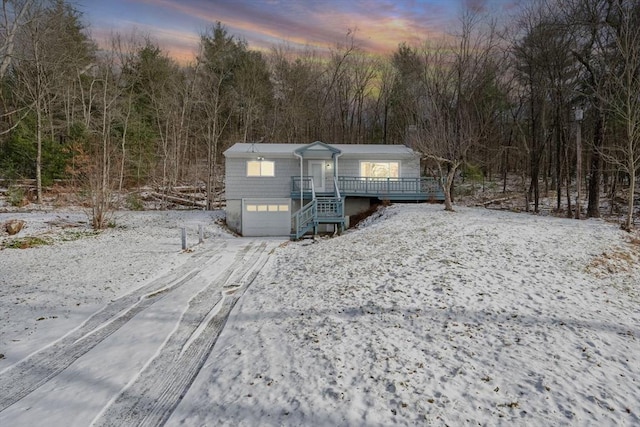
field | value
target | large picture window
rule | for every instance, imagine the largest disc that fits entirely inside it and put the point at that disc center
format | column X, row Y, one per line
column 261, row 168
column 379, row 169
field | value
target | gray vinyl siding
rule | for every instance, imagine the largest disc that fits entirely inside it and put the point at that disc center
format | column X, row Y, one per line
column 410, row 168
column 239, row 185
column 348, row 167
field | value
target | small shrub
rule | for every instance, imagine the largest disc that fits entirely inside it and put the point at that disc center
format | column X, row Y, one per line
column 465, row 191
column 26, row 242
column 134, row 202
column 472, row 173
column 16, row 196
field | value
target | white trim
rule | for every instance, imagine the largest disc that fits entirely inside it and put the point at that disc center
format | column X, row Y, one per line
column 261, row 163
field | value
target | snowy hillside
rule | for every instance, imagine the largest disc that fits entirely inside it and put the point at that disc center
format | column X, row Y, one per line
column 421, row 316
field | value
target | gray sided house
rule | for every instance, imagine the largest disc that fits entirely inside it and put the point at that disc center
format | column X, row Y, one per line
column 294, row 189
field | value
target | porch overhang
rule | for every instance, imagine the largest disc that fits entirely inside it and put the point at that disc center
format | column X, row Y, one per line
column 318, row 150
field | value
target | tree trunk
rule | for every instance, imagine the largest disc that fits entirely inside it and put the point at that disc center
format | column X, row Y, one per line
column 559, row 143
column 9, row 39
column 568, row 187
column 38, row 152
column 447, row 186
column 632, row 188
column 123, row 141
column 593, row 208
column 535, row 185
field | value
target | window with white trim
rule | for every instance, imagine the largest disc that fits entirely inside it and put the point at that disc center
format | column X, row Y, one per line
column 257, row 168
column 379, row 169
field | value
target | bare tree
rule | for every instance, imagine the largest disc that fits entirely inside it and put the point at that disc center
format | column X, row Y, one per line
column 52, row 48
column 255, row 94
column 103, row 110
column 584, row 21
column 14, row 14
column 296, row 78
column 450, row 115
column 620, row 93
column 533, row 69
column 218, row 60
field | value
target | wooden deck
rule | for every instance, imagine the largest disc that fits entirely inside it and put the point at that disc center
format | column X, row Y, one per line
column 328, row 208
column 394, row 189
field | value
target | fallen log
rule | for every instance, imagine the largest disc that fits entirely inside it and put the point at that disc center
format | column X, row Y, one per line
column 492, row 201
column 177, row 200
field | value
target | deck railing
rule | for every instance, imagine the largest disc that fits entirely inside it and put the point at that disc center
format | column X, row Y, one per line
column 432, row 188
column 305, row 183
column 395, row 188
column 305, row 219
column 380, row 186
column 336, row 188
column 330, row 209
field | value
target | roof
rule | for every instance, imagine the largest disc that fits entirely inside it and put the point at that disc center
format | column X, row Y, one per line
column 318, row 147
column 246, row 150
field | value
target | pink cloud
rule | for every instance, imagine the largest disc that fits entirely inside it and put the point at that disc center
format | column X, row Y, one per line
column 380, row 24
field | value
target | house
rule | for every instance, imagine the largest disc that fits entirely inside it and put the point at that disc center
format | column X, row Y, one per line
column 293, row 189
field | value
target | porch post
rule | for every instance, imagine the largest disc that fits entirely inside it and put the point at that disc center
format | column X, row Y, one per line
column 335, row 166
column 301, row 194
column 301, row 183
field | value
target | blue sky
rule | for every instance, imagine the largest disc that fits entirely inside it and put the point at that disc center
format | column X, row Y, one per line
column 380, row 24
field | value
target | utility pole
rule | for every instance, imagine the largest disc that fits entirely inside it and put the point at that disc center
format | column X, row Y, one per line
column 578, row 116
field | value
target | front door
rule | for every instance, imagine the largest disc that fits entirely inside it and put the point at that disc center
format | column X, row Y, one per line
column 316, row 171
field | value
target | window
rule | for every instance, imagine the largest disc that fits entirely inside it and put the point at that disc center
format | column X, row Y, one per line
column 266, row 208
column 380, row 169
column 261, row 168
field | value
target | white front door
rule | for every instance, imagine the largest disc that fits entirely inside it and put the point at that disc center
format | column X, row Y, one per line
column 316, row 171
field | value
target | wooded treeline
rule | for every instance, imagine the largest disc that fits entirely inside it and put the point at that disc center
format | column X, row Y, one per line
column 489, row 98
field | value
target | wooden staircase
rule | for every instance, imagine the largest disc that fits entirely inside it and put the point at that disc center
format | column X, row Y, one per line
column 320, row 210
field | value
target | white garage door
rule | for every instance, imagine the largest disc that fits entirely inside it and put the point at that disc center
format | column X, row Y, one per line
column 266, row 217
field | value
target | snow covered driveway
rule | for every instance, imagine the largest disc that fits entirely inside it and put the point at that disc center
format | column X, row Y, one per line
column 131, row 362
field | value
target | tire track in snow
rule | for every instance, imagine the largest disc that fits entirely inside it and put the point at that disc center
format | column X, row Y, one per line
column 151, row 398
column 20, row 379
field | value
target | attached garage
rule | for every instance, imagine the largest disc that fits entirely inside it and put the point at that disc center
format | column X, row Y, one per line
column 266, row 217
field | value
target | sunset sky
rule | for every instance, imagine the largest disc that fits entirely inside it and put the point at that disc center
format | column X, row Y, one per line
column 380, row 24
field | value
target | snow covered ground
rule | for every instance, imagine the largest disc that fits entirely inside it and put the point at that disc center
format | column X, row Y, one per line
column 420, row 316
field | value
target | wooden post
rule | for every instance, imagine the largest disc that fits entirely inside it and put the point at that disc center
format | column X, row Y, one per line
column 200, row 234
column 184, row 238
